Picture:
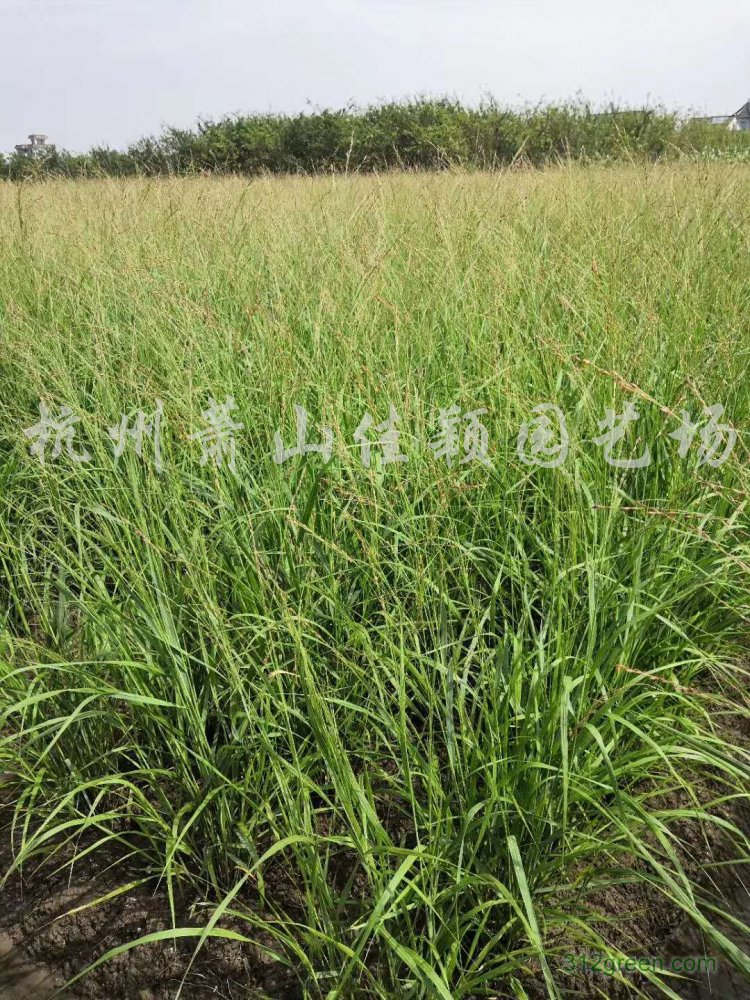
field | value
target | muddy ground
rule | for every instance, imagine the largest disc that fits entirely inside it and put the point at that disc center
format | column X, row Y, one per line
column 43, row 943
column 39, row 952
column 48, row 935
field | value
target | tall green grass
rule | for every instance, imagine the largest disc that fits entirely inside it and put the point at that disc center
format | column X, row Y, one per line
column 406, row 723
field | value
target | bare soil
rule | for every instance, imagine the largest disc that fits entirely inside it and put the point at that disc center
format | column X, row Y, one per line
column 48, row 935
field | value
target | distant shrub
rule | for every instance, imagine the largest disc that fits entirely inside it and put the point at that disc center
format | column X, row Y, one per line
column 420, row 134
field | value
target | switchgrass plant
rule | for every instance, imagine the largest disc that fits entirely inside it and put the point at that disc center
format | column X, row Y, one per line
column 402, row 726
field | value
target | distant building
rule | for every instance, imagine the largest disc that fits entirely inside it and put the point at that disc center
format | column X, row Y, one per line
column 738, row 122
column 36, row 147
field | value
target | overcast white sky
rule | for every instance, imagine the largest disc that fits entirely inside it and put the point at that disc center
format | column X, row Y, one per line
column 94, row 72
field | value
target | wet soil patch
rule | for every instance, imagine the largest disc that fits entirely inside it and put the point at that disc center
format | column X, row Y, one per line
column 48, row 934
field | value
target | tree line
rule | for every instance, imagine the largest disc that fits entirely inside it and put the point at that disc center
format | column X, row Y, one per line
column 422, row 134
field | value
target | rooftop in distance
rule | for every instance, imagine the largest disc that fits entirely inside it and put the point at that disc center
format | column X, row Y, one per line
column 36, row 146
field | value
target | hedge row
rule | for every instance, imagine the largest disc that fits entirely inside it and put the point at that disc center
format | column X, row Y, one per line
column 419, row 134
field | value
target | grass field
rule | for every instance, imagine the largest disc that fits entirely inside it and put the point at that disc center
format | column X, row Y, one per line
column 406, row 724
